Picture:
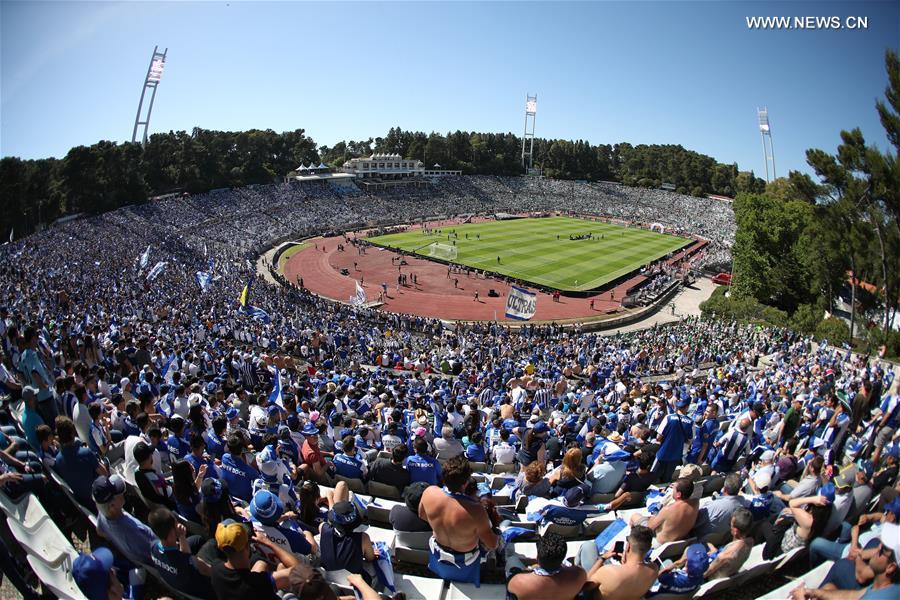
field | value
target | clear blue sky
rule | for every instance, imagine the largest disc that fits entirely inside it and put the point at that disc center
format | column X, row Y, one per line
column 688, row 73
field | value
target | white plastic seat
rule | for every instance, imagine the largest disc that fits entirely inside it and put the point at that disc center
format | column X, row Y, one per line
column 811, row 579
column 45, row 541
column 26, row 512
column 383, row 490
column 416, row 540
column 419, row 587
column 57, row 576
column 672, row 550
column 467, row 591
column 354, row 485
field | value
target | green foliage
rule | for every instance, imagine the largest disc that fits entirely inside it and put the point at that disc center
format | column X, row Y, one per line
column 806, row 318
column 834, row 330
column 768, row 251
column 743, row 309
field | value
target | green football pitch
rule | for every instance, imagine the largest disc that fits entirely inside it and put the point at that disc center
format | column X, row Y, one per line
column 540, row 251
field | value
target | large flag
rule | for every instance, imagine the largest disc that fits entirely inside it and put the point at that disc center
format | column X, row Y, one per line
column 276, row 397
column 245, row 294
column 144, row 258
column 157, row 269
column 203, row 279
column 520, row 304
column 359, row 298
column 169, row 370
column 258, row 314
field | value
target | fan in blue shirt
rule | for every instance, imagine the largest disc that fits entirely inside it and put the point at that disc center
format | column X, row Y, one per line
column 235, row 472
column 421, row 466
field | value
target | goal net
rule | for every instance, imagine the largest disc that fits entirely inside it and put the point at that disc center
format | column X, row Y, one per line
column 442, row 251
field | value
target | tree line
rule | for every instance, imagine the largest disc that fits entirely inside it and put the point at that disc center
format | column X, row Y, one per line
column 799, row 241
column 107, row 175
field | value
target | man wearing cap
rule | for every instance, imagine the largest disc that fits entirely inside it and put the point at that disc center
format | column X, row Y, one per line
column 238, row 578
column 314, row 465
column 95, row 575
column 674, row 432
column 843, row 502
column 460, row 523
column 882, row 561
column 266, row 510
column 821, row 549
column 131, row 537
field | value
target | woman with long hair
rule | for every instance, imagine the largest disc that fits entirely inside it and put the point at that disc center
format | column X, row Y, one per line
column 810, row 515
column 215, row 505
column 197, row 420
column 186, row 489
column 570, row 473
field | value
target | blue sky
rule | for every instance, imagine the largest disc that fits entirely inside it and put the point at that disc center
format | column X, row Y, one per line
column 688, row 73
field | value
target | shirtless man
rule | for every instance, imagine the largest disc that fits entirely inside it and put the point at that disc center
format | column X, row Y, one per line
column 549, row 578
column 628, row 580
column 676, row 520
column 460, row 523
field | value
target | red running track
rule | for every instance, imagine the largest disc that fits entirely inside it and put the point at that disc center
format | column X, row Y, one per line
column 435, row 294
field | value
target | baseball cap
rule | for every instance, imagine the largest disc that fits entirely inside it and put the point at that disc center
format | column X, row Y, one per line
column 893, row 507
column 232, row 535
column 266, row 507
column 827, row 490
column 767, row 456
column 540, row 427
column 764, row 480
column 310, row 429
column 683, row 402
column 91, row 573
column 106, row 488
column 890, row 538
column 211, row 490
column 307, row 583
column 697, row 561
column 29, row 393
column 231, row 413
column 574, row 496
column 842, row 481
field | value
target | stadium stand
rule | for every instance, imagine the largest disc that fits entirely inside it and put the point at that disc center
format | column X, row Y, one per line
column 186, row 436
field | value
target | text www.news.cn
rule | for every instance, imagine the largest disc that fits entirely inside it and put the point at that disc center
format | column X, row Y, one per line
column 823, row 22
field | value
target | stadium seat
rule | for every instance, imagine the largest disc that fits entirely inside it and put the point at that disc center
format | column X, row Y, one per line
column 419, row 587
column 479, row 467
column 415, row 540
column 601, row 498
column 382, row 490
column 467, row 591
column 57, row 576
column 811, row 579
column 67, row 491
column 672, row 550
column 354, row 485
column 44, row 540
column 498, row 468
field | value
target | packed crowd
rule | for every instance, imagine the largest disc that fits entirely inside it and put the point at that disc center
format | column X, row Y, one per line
column 170, row 408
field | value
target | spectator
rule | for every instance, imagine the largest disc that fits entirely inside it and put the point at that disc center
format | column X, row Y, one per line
column 550, row 578
column 391, row 471
column 173, row 556
column 405, row 517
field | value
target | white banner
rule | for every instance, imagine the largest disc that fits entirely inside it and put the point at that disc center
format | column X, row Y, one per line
column 520, row 304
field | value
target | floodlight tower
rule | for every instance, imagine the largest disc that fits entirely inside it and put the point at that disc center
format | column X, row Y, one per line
column 528, row 137
column 765, row 132
column 151, row 81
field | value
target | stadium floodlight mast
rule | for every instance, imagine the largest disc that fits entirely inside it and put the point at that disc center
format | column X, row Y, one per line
column 151, row 81
column 528, row 137
column 765, row 131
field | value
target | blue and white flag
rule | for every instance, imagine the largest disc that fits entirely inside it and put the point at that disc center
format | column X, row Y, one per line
column 157, row 270
column 276, row 397
column 144, row 259
column 520, row 304
column 359, row 298
column 383, row 568
column 169, row 370
column 258, row 314
column 203, row 279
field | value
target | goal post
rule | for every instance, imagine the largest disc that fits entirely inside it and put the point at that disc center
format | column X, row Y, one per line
column 441, row 251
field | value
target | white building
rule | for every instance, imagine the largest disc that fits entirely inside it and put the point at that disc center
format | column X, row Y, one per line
column 384, row 166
